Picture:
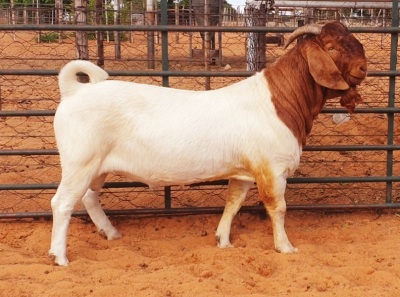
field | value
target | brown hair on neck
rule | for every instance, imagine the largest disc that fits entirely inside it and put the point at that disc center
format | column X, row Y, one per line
column 297, row 98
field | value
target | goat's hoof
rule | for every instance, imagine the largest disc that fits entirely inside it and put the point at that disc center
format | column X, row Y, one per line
column 114, row 236
column 111, row 234
column 60, row 261
column 223, row 244
column 289, row 249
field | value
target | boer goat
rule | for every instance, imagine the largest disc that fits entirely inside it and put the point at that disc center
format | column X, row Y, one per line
column 251, row 131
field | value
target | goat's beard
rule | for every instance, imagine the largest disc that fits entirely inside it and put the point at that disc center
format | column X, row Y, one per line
column 350, row 99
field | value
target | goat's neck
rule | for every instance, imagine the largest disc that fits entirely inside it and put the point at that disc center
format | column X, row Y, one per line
column 297, row 98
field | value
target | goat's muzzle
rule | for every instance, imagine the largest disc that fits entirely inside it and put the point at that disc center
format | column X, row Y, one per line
column 354, row 78
column 358, row 72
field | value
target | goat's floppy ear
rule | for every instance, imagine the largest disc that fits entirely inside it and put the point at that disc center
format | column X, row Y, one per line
column 323, row 69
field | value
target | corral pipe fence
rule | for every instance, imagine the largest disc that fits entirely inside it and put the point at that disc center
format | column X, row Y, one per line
column 322, row 182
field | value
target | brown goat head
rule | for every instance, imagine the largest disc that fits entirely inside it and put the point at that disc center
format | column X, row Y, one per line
column 336, row 61
column 329, row 63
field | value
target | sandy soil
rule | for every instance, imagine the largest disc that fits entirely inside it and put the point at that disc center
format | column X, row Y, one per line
column 339, row 255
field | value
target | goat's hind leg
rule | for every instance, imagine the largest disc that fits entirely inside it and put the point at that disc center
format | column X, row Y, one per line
column 237, row 191
column 62, row 204
column 96, row 212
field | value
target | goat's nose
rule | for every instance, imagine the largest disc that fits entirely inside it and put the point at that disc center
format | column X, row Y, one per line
column 363, row 68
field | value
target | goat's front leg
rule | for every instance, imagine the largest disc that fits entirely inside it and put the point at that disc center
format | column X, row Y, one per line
column 96, row 212
column 272, row 191
column 237, row 191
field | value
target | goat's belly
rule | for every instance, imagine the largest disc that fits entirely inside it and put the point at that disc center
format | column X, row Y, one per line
column 175, row 180
column 173, row 171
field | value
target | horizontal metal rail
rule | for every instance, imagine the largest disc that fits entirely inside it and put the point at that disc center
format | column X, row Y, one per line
column 172, row 73
column 334, row 4
column 34, row 113
column 312, row 148
column 292, row 180
column 177, row 28
column 53, row 186
column 204, row 210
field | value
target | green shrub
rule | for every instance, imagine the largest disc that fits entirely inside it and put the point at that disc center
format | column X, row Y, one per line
column 51, row 37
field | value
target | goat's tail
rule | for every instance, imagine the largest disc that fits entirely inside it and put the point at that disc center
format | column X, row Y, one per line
column 67, row 79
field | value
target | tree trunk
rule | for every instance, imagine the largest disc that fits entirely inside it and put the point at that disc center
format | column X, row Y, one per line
column 117, row 34
column 12, row 12
column 99, row 34
column 82, row 45
column 255, row 43
column 59, row 11
column 59, row 16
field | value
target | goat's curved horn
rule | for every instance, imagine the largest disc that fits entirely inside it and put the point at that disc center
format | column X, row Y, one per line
column 314, row 29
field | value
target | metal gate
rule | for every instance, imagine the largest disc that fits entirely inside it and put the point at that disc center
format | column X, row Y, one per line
column 351, row 165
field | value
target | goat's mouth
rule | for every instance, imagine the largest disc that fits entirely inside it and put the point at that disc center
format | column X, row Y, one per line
column 356, row 74
column 354, row 79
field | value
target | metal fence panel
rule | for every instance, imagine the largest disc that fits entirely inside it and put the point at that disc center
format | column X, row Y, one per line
column 354, row 164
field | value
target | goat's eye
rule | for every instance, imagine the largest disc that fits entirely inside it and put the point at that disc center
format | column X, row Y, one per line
column 331, row 48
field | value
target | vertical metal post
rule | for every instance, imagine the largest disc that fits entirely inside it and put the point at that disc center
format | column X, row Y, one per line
column 192, row 22
column 220, row 23
column 391, row 103
column 167, row 197
column 37, row 18
column 106, row 19
column 207, row 42
column 177, row 20
column 262, row 44
column 165, row 78
column 164, row 43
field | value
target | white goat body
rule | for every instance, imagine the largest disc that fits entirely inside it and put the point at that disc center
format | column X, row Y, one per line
column 165, row 136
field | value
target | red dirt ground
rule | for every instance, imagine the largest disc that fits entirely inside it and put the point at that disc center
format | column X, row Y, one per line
column 353, row 254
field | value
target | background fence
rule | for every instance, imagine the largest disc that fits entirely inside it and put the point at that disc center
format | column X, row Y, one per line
column 352, row 164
